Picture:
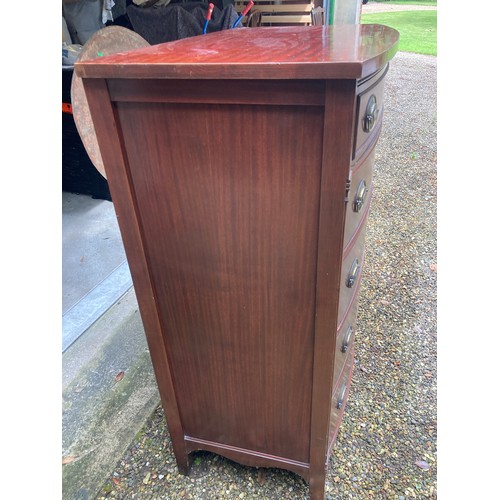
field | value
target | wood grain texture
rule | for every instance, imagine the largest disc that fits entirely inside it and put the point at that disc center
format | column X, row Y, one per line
column 365, row 140
column 337, row 146
column 317, row 52
column 276, row 92
column 231, row 216
column 341, row 357
column 115, row 161
column 337, row 413
column 248, row 457
column 348, row 294
column 360, row 172
column 229, row 171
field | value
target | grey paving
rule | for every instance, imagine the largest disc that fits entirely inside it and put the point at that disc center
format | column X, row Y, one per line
column 94, row 304
column 94, row 267
column 91, row 245
column 108, row 385
column 109, row 391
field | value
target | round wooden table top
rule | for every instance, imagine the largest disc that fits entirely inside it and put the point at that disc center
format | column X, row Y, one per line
column 109, row 40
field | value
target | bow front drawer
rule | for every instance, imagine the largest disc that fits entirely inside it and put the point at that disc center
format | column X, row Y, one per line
column 369, row 110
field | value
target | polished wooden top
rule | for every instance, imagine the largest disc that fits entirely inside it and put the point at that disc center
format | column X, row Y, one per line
column 319, row 52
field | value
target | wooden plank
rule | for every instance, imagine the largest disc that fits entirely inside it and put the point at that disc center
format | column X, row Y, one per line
column 269, row 19
column 283, row 8
column 275, row 92
column 290, row 12
column 260, row 3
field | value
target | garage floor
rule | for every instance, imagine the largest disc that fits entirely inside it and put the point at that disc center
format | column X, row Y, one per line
column 94, row 267
column 108, row 383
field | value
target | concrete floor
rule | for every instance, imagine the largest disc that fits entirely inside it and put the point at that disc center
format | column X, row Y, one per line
column 103, row 342
column 92, row 245
column 94, row 267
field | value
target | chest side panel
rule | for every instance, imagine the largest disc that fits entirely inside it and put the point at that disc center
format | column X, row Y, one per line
column 227, row 197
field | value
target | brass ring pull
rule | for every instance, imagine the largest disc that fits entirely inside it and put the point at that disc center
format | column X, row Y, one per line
column 353, row 273
column 346, row 340
column 340, row 400
column 360, row 196
column 371, row 114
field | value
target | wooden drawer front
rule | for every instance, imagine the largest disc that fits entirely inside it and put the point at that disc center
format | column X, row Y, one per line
column 339, row 397
column 360, row 196
column 351, row 274
column 345, row 341
column 369, row 111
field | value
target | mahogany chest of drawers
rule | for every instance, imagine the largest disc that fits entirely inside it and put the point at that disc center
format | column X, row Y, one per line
column 240, row 167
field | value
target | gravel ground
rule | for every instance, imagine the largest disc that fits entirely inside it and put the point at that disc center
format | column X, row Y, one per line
column 386, row 447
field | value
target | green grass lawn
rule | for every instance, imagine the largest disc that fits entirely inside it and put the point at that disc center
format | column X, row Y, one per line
column 409, row 2
column 417, row 28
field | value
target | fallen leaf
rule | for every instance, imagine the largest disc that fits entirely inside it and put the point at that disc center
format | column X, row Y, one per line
column 119, row 376
column 422, row 464
column 117, row 482
column 146, row 479
column 68, row 459
column 261, row 477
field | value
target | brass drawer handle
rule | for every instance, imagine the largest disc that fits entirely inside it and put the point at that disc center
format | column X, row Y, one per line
column 340, row 400
column 360, row 196
column 346, row 340
column 371, row 114
column 353, row 273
